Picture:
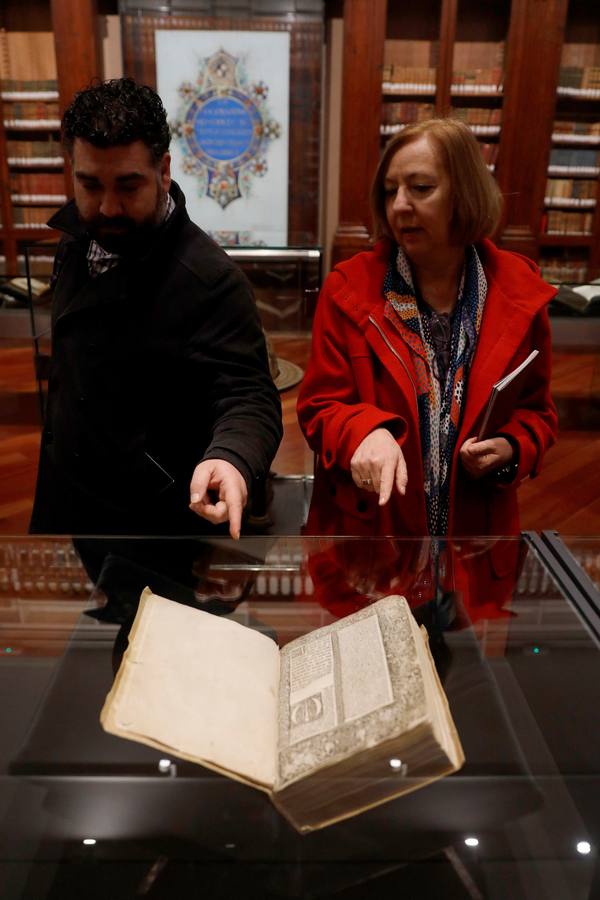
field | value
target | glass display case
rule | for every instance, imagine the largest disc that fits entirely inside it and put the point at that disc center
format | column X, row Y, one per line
column 84, row 813
column 285, row 281
column 579, row 559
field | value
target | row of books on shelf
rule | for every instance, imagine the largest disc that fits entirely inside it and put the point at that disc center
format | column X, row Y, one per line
column 409, row 78
column 573, row 202
column 19, row 85
column 486, row 121
column 423, row 78
column 31, row 110
column 37, row 183
column 28, row 153
column 37, row 199
column 581, row 191
column 395, row 115
column 478, row 81
column 575, row 129
column 571, row 161
column 407, row 111
column 557, row 270
column 583, row 81
column 477, row 115
column 32, row 124
column 48, row 147
column 576, row 223
column 33, row 216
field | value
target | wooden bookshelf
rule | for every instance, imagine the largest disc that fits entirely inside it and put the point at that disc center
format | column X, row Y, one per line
column 574, row 163
column 48, row 50
column 409, row 82
column 364, row 39
column 477, row 80
column 518, row 114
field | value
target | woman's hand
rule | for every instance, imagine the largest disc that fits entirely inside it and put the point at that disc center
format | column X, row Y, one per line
column 378, row 464
column 481, row 457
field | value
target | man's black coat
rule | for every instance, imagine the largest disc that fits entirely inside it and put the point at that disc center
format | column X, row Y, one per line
column 156, row 364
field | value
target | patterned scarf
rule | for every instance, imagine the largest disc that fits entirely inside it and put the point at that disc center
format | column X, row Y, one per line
column 440, row 404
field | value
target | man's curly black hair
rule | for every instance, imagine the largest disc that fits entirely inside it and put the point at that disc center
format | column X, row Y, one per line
column 117, row 112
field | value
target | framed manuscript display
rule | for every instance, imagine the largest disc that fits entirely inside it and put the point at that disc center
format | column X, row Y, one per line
column 243, row 97
column 227, row 99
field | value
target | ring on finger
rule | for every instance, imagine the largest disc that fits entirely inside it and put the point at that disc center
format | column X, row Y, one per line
column 367, row 482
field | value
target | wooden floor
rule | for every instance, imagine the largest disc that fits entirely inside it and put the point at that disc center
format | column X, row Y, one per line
column 566, row 496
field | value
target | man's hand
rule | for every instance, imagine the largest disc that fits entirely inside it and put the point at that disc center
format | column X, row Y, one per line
column 378, row 465
column 218, row 493
column 481, row 457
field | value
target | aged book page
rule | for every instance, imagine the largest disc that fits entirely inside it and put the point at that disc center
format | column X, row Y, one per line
column 199, row 685
column 348, row 687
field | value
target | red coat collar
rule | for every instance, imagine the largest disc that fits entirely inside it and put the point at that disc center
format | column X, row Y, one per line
column 516, row 277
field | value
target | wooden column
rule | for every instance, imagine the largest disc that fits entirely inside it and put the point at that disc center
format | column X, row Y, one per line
column 8, row 244
column 364, row 38
column 77, row 50
column 534, row 44
column 448, row 15
column 77, row 54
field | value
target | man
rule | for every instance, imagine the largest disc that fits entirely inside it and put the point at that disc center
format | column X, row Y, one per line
column 159, row 395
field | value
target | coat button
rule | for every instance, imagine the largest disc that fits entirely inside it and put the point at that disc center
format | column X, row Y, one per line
column 328, row 455
column 362, row 506
column 332, row 490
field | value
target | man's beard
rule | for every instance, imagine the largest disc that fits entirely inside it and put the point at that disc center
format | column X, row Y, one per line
column 124, row 236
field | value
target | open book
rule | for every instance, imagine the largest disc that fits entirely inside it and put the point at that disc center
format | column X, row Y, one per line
column 503, row 399
column 581, row 299
column 19, row 289
column 337, row 721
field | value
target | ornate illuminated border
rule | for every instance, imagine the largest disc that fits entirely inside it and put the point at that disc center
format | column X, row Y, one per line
column 224, row 128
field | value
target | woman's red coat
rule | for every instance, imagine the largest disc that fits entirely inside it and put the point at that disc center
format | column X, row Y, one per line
column 361, row 377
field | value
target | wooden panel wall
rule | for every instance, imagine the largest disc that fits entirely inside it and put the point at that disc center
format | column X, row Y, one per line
column 364, row 37
column 76, row 42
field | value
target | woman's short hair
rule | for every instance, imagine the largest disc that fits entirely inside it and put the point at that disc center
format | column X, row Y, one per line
column 476, row 198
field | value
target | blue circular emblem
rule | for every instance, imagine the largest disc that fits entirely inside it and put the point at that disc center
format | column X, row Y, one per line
column 224, row 127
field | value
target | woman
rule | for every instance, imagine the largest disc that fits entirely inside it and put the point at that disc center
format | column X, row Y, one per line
column 409, row 339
